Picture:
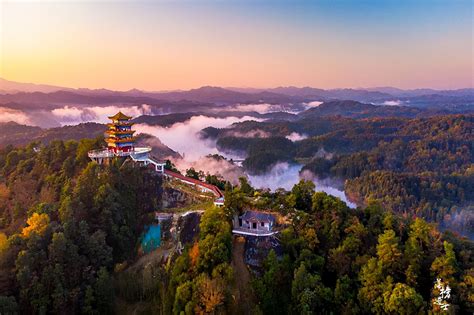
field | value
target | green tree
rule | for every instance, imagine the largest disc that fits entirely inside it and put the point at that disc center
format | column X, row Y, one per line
column 445, row 267
column 8, row 305
column 309, row 294
column 403, row 299
column 104, row 292
column 191, row 172
column 388, row 251
column 302, row 194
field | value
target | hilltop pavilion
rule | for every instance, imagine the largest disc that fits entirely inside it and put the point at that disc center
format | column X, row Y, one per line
column 121, row 143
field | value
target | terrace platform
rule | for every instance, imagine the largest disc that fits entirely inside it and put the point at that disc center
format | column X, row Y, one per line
column 253, row 232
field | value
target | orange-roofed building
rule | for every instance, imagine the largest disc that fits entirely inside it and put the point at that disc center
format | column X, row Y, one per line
column 120, row 134
column 121, row 144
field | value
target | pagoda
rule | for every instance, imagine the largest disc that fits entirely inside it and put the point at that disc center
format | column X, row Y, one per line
column 121, row 144
column 120, row 137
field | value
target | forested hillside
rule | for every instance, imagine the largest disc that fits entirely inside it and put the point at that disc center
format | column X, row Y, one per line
column 426, row 170
column 420, row 166
column 69, row 227
column 64, row 224
column 365, row 261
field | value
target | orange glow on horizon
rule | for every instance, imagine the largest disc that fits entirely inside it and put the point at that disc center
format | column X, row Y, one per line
column 123, row 47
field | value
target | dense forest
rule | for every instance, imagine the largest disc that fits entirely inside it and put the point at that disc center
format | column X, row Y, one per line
column 64, row 224
column 422, row 166
column 344, row 261
column 69, row 227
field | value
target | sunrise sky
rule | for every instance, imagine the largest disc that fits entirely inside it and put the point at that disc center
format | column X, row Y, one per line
column 161, row 45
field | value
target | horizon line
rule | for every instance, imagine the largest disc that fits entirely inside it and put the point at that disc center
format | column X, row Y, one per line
column 382, row 86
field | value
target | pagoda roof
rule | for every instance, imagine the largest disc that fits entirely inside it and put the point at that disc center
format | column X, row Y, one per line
column 119, row 132
column 122, row 124
column 116, row 140
column 120, row 116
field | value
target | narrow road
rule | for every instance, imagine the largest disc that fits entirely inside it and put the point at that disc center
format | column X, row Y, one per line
column 243, row 293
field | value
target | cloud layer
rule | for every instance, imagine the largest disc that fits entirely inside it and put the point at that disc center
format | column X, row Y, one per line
column 294, row 136
column 221, row 167
column 68, row 115
column 8, row 114
column 393, row 103
column 183, row 137
column 312, row 104
column 284, row 175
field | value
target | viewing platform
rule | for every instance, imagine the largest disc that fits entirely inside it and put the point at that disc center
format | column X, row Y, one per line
column 121, row 143
column 250, row 232
column 137, row 152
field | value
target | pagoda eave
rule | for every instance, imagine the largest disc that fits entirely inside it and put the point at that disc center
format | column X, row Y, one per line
column 120, row 140
column 126, row 124
column 118, row 132
column 120, row 116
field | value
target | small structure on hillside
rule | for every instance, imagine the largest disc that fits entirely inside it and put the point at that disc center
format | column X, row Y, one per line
column 163, row 216
column 219, row 202
column 254, row 223
column 121, row 143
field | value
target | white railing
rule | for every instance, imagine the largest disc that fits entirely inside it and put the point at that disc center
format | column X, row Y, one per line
column 105, row 153
column 253, row 232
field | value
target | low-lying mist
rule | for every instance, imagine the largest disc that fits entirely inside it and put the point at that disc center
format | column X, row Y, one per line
column 69, row 115
column 285, row 175
column 8, row 114
column 183, row 137
column 219, row 167
column 74, row 115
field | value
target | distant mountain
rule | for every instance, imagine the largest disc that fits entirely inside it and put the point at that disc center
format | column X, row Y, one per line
column 26, row 93
column 341, row 94
column 419, row 92
column 206, row 95
column 170, row 119
column 223, row 96
column 7, row 86
column 453, row 103
column 363, row 94
column 68, row 97
column 296, row 91
column 16, row 134
column 354, row 109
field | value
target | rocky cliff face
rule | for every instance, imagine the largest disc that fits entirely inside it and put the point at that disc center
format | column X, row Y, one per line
column 173, row 198
column 180, row 195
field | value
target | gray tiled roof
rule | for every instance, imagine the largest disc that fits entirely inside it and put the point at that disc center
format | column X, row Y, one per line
column 257, row 215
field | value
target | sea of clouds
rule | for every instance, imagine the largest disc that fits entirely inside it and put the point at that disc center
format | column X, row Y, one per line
column 71, row 115
column 8, row 114
column 285, row 175
column 184, row 138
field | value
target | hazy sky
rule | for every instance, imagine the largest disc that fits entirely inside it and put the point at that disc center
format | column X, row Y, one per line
column 158, row 45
